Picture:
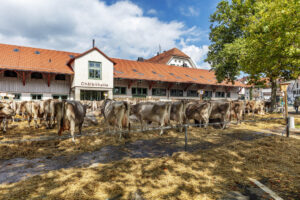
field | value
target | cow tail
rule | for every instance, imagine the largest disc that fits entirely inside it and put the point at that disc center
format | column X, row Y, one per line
column 63, row 113
column 128, row 113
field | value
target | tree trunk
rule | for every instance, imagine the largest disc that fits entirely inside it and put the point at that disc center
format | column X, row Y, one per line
column 273, row 93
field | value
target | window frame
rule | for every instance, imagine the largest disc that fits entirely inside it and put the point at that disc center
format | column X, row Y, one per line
column 11, row 72
column 60, row 96
column 84, row 93
column 95, row 69
column 36, row 75
column 32, row 95
column 177, row 93
column 58, row 75
column 188, row 93
column 120, row 90
column 17, row 94
column 222, row 96
column 139, row 94
column 160, row 92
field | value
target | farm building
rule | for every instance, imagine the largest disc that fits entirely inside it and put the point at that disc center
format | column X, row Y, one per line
column 33, row 73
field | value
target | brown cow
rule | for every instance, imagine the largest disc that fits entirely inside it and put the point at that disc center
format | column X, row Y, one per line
column 68, row 115
column 116, row 114
column 220, row 111
column 30, row 109
column 198, row 111
column 148, row 112
column 237, row 110
column 47, row 110
column 177, row 113
column 5, row 112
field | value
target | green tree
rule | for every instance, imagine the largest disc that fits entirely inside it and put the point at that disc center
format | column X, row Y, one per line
column 268, row 43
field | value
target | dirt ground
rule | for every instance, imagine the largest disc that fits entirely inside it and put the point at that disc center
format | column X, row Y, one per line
column 217, row 161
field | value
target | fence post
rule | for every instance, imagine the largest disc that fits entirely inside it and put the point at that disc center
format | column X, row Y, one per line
column 288, row 126
column 185, row 135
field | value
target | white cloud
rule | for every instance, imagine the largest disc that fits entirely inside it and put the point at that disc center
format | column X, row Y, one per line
column 120, row 29
column 152, row 12
column 189, row 11
column 198, row 54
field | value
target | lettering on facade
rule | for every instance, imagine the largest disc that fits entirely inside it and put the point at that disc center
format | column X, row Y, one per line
column 94, row 84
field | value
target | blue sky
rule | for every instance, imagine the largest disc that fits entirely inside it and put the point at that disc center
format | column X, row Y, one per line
column 122, row 29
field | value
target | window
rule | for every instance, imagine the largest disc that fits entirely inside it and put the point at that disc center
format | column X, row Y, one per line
column 36, row 96
column 176, row 93
column 192, row 93
column 36, row 75
column 94, row 70
column 228, row 94
column 220, row 94
column 37, row 52
column 207, row 95
column 119, row 90
column 159, row 92
column 60, row 77
column 58, row 96
column 8, row 73
column 91, row 95
column 16, row 50
column 139, row 92
column 17, row 96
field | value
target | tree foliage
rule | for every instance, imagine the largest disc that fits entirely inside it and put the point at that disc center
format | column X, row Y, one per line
column 257, row 37
column 260, row 38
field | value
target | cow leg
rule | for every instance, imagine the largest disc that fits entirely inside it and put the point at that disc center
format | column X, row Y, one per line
column 206, row 121
column 35, row 122
column 4, row 125
column 197, row 122
column 72, row 129
column 80, row 128
column 161, row 127
column 29, row 120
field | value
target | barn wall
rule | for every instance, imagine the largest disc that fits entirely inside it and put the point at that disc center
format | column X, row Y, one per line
column 34, row 86
column 145, row 84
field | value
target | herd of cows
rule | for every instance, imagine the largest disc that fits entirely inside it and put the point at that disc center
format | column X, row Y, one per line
column 119, row 115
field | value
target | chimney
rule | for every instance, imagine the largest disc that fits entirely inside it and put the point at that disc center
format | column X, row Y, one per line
column 157, row 53
column 93, row 43
column 140, row 59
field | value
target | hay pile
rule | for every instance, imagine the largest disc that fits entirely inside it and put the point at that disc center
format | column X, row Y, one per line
column 92, row 143
column 205, row 174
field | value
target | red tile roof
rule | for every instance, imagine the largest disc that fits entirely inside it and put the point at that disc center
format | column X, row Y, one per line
column 52, row 61
column 25, row 59
column 164, row 57
column 88, row 51
column 128, row 69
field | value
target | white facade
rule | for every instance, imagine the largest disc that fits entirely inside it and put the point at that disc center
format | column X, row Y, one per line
column 181, row 61
column 81, row 80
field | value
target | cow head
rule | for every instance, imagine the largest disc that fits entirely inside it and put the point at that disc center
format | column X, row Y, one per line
column 6, row 110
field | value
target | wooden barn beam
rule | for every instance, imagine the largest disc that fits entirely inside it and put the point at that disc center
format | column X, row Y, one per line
column 187, row 86
column 170, row 85
column 130, row 83
column 151, row 84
